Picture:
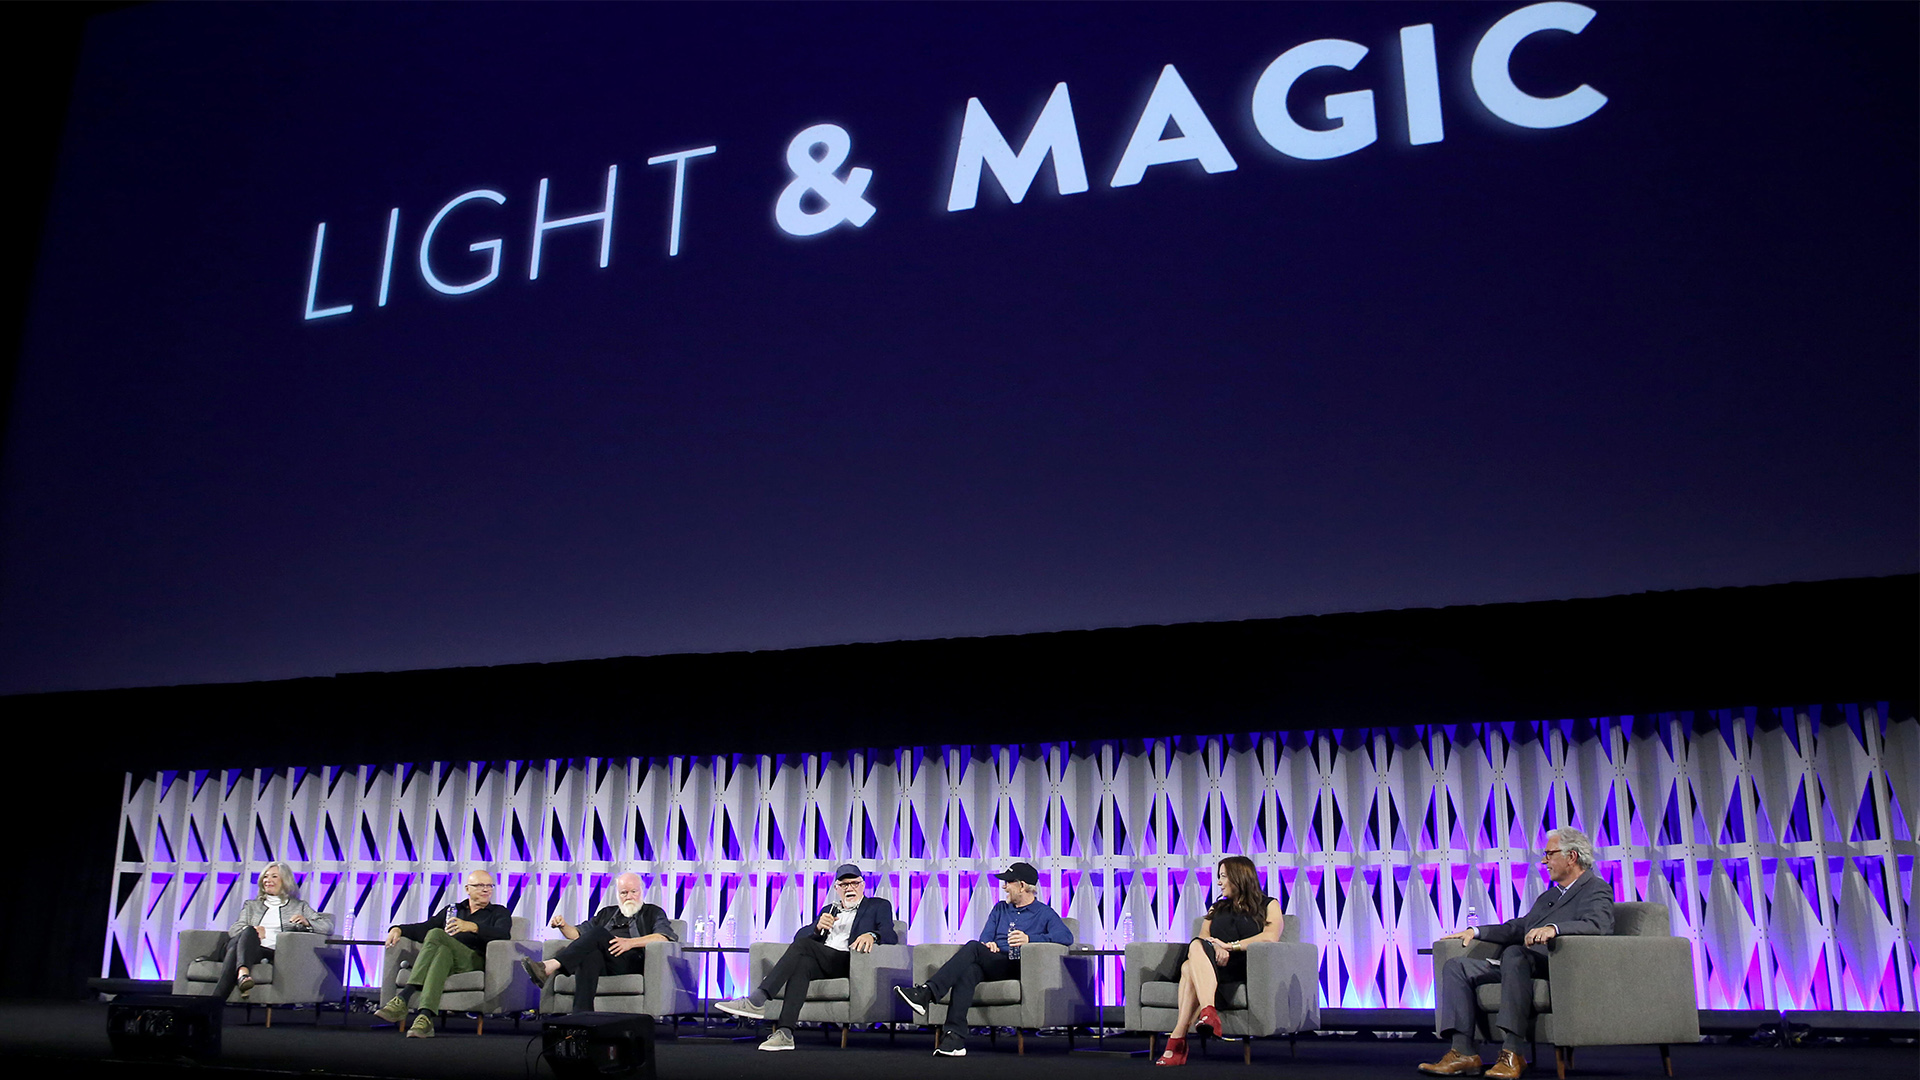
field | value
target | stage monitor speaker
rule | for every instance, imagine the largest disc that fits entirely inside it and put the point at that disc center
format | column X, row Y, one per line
column 164, row 1026
column 599, row 1044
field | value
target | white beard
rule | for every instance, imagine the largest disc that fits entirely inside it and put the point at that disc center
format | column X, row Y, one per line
column 629, row 907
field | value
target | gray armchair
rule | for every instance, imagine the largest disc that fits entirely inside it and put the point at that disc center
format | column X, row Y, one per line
column 1280, row 997
column 498, row 988
column 1630, row 987
column 1055, row 989
column 865, row 996
column 663, row 988
column 305, row 970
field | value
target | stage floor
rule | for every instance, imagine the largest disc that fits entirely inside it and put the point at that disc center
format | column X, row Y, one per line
column 56, row 1039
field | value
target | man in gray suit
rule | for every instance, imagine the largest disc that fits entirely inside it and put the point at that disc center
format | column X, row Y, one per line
column 1577, row 902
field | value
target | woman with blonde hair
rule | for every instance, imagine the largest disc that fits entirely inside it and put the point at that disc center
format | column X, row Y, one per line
column 1216, row 964
column 276, row 909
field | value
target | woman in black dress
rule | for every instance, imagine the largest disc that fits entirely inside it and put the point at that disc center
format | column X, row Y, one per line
column 1216, row 963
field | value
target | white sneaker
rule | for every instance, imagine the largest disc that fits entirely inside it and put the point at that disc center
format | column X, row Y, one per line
column 744, row 1008
column 781, row 1039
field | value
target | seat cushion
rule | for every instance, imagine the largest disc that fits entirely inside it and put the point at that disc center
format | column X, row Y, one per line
column 466, row 980
column 830, row 990
column 208, row 971
column 998, row 992
column 1488, row 995
column 1166, row 995
column 610, row 985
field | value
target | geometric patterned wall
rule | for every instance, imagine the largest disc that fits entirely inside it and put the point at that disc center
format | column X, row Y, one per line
column 1783, row 840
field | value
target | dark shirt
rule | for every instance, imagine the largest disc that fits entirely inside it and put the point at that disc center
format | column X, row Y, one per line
column 650, row 919
column 493, row 920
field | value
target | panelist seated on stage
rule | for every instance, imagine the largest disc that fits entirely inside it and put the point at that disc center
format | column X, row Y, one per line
column 1577, row 902
column 854, row 922
column 613, row 942
column 453, row 944
column 1216, row 963
column 1014, row 922
column 277, row 909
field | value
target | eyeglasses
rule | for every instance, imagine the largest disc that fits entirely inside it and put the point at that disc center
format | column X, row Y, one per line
column 482, row 888
column 1552, row 851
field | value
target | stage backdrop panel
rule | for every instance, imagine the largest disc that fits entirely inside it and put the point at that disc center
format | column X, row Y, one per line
column 1782, row 839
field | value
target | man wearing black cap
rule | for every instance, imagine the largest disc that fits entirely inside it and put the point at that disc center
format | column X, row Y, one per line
column 853, row 923
column 1013, row 922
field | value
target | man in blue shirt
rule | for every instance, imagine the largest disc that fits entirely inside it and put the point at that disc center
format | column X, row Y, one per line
column 1013, row 922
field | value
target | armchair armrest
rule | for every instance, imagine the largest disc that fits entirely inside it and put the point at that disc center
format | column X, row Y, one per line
column 928, row 958
column 306, row 968
column 870, row 981
column 192, row 943
column 1056, row 989
column 1610, row 990
column 1283, row 987
column 667, row 978
column 505, row 984
column 1149, row 961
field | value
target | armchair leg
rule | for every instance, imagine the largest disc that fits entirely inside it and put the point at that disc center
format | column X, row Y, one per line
column 1152, row 1037
column 843, row 1035
column 1020, row 1040
column 1666, row 1058
column 1293, row 1049
column 270, row 1021
column 1560, row 1057
column 480, row 1026
column 1246, row 1052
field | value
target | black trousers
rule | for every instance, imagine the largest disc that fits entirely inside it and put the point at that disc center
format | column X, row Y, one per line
column 586, row 959
column 971, row 966
column 243, row 951
column 804, row 961
column 1453, row 1002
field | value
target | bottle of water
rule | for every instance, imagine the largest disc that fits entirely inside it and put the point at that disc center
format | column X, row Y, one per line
column 1473, row 916
column 1013, row 923
column 446, row 921
column 702, row 930
column 1126, row 929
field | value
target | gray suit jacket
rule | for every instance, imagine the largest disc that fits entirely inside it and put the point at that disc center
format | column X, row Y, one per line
column 1584, row 907
column 254, row 910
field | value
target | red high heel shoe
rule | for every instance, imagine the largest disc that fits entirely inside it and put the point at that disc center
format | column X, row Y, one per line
column 1175, row 1053
column 1210, row 1018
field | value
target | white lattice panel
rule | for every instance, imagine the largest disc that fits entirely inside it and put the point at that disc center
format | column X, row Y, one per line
column 1783, row 840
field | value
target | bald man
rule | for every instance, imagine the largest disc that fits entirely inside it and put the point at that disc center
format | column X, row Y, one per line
column 452, row 944
column 610, row 943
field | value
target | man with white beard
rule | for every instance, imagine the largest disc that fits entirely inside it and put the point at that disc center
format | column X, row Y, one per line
column 607, row 944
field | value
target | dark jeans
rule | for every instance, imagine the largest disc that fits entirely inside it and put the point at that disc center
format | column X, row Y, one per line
column 804, row 961
column 1454, row 1004
column 971, row 966
column 586, row 959
column 243, row 951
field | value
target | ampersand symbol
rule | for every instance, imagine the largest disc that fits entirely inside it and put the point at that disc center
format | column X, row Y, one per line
column 816, row 174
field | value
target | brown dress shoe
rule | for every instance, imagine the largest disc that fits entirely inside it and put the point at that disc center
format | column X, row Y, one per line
column 1511, row 1066
column 1453, row 1064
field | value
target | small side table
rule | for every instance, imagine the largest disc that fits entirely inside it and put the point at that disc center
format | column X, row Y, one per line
column 1099, row 1047
column 706, row 953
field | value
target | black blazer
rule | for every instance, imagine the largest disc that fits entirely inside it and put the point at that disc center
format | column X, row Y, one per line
column 873, row 916
column 1584, row 907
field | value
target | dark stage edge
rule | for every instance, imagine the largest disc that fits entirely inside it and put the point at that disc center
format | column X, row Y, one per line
column 58, row 1039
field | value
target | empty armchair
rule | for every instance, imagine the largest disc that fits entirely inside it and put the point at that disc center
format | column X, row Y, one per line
column 1280, row 997
column 1632, row 986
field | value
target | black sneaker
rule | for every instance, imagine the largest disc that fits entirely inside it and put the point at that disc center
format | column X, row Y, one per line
column 916, row 997
column 952, row 1044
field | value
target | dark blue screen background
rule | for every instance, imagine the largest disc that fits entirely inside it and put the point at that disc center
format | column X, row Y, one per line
column 1671, row 345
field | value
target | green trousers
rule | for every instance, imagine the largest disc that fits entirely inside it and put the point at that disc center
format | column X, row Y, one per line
column 440, row 956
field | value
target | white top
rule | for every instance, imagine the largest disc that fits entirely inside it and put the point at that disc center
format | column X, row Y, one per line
column 270, row 922
column 839, row 937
